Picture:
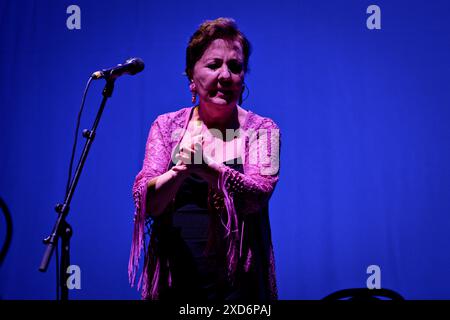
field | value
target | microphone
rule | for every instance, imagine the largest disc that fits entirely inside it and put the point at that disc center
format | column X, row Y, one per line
column 131, row 67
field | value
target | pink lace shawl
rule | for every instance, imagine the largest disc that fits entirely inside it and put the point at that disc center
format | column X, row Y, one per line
column 256, row 185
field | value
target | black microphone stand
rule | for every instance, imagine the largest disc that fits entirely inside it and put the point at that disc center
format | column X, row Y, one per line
column 61, row 228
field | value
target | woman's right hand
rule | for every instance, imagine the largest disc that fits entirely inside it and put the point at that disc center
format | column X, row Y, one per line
column 191, row 152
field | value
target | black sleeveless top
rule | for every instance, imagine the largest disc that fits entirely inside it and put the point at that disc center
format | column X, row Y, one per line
column 198, row 274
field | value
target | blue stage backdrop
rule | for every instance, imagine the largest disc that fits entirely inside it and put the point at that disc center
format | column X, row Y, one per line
column 364, row 116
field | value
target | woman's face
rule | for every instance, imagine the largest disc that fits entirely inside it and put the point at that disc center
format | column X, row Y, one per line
column 219, row 74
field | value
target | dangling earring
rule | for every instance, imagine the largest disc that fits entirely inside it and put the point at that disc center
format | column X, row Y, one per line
column 242, row 93
column 194, row 93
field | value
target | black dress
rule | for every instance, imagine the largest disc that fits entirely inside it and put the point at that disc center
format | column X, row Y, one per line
column 198, row 267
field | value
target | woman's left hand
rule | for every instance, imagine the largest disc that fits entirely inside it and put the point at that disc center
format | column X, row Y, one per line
column 193, row 154
column 197, row 161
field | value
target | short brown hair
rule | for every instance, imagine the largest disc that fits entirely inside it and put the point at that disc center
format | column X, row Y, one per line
column 210, row 30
